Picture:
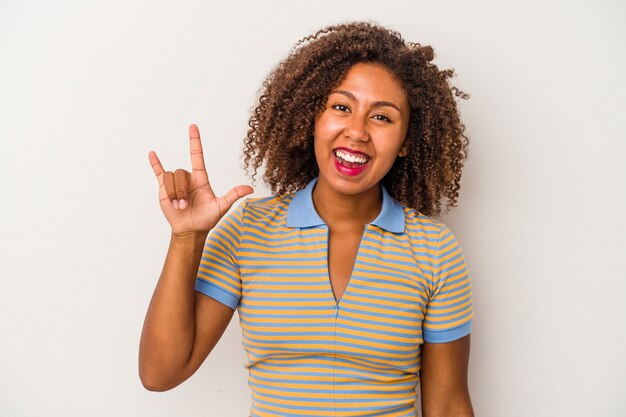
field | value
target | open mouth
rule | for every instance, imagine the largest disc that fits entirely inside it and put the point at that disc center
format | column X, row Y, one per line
column 351, row 160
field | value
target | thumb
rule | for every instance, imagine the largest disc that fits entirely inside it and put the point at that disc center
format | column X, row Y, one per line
column 226, row 201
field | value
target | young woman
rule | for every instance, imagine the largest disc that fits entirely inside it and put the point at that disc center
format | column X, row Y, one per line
column 348, row 293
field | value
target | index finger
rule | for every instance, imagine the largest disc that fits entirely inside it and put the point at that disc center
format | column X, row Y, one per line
column 195, row 148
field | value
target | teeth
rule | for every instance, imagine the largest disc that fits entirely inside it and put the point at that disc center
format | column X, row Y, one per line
column 349, row 157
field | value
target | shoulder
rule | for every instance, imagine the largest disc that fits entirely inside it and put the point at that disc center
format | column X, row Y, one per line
column 418, row 224
column 266, row 208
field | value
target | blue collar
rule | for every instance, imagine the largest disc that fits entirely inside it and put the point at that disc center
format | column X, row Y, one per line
column 302, row 213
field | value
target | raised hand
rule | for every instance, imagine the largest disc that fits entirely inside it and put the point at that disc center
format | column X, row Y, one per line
column 186, row 199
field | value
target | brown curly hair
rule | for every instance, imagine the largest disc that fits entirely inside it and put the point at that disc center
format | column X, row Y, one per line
column 296, row 91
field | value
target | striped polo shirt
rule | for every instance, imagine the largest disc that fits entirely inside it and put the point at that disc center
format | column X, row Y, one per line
column 309, row 355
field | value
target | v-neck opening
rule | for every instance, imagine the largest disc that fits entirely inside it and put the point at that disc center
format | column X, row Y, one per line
column 356, row 260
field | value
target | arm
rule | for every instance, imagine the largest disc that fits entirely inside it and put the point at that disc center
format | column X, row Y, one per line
column 181, row 326
column 443, row 379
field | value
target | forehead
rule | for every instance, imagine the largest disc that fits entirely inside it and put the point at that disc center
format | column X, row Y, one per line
column 372, row 80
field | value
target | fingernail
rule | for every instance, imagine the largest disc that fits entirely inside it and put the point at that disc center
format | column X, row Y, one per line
column 175, row 203
column 183, row 204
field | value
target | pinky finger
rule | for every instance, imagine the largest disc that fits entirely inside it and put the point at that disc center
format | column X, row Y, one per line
column 156, row 164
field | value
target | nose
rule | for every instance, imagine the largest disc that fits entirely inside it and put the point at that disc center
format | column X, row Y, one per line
column 356, row 128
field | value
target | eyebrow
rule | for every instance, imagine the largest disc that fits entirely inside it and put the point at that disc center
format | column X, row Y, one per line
column 377, row 104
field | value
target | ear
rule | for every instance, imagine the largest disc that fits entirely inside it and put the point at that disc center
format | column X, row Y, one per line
column 404, row 150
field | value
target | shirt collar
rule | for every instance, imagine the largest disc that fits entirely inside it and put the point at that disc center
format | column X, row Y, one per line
column 302, row 213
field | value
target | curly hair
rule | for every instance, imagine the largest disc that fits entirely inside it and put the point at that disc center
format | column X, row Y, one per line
column 281, row 126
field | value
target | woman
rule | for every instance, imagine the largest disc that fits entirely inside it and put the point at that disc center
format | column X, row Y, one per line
column 348, row 293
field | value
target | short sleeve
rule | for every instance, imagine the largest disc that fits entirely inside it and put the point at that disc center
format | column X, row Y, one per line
column 218, row 273
column 449, row 311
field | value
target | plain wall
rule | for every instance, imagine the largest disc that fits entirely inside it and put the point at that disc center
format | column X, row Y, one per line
column 88, row 88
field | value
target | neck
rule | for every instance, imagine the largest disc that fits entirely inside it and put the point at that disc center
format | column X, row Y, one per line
column 339, row 210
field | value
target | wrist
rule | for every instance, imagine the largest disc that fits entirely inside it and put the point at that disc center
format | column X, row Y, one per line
column 189, row 237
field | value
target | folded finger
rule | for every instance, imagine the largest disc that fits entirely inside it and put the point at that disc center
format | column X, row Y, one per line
column 181, row 178
column 170, row 185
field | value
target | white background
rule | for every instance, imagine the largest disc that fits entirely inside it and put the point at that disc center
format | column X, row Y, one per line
column 88, row 88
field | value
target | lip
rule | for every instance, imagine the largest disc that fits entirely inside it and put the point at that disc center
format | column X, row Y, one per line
column 350, row 172
column 352, row 151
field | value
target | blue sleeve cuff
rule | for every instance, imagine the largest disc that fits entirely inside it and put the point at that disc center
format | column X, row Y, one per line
column 217, row 293
column 444, row 336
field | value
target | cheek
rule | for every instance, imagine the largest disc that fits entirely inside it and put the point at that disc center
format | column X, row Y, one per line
column 326, row 126
column 393, row 143
column 318, row 149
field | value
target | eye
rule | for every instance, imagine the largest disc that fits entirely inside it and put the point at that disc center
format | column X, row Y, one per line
column 382, row 118
column 341, row 107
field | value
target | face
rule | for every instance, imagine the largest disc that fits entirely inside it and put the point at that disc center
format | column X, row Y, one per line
column 361, row 130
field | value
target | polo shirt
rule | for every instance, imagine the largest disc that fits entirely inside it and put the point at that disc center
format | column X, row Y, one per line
column 310, row 355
